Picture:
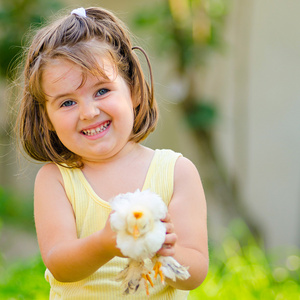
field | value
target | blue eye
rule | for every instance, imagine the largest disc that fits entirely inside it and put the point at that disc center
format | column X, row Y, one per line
column 68, row 103
column 102, row 92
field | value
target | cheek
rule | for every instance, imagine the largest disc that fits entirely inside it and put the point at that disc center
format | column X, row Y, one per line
column 52, row 122
column 49, row 116
column 48, row 122
column 63, row 127
column 58, row 120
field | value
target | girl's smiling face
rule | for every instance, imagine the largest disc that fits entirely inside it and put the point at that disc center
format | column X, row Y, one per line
column 92, row 117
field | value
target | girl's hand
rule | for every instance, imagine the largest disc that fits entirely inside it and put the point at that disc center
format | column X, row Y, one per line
column 168, row 248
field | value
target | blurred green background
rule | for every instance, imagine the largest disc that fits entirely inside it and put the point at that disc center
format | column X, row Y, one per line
column 226, row 80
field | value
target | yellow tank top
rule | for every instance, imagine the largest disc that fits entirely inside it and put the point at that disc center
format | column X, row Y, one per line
column 91, row 214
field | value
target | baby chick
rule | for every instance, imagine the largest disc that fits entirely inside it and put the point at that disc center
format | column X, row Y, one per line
column 140, row 234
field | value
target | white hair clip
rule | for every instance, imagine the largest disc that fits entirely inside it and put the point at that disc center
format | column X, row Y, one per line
column 79, row 12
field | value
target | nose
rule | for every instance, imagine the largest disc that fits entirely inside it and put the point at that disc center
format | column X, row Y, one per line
column 89, row 110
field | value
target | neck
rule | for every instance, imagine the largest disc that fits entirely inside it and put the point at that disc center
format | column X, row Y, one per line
column 131, row 149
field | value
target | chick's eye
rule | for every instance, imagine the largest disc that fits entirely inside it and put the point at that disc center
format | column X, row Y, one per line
column 102, row 92
column 68, row 103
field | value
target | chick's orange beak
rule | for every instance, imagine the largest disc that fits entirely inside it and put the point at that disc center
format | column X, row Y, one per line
column 138, row 214
column 136, row 232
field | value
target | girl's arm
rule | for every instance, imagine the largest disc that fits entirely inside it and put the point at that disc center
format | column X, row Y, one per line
column 188, row 219
column 67, row 257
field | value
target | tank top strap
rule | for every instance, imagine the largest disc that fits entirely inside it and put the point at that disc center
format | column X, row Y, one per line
column 72, row 183
column 160, row 177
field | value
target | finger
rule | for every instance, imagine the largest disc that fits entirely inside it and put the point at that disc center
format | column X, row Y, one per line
column 169, row 227
column 166, row 250
column 167, row 218
column 170, row 239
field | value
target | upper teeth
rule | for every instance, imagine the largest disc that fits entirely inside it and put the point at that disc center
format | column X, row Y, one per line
column 96, row 130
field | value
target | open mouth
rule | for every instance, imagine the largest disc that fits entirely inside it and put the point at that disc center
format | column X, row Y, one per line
column 97, row 130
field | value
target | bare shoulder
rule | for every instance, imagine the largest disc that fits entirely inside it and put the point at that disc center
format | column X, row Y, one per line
column 49, row 173
column 49, row 189
column 188, row 203
column 48, row 182
column 188, row 187
column 48, row 169
column 186, row 175
column 184, row 167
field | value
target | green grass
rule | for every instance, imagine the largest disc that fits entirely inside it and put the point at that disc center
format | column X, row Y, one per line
column 241, row 269
column 24, row 280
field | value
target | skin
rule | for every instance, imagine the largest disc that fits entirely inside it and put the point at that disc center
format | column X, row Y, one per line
column 72, row 108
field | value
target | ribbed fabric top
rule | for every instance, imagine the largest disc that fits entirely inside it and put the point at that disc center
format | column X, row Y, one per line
column 91, row 213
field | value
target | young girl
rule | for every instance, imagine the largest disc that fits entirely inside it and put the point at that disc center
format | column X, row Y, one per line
column 85, row 108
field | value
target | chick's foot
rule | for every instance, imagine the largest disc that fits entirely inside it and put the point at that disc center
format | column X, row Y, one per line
column 167, row 266
column 158, row 271
column 133, row 275
column 147, row 278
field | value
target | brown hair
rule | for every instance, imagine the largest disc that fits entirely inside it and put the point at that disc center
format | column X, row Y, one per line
column 71, row 38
